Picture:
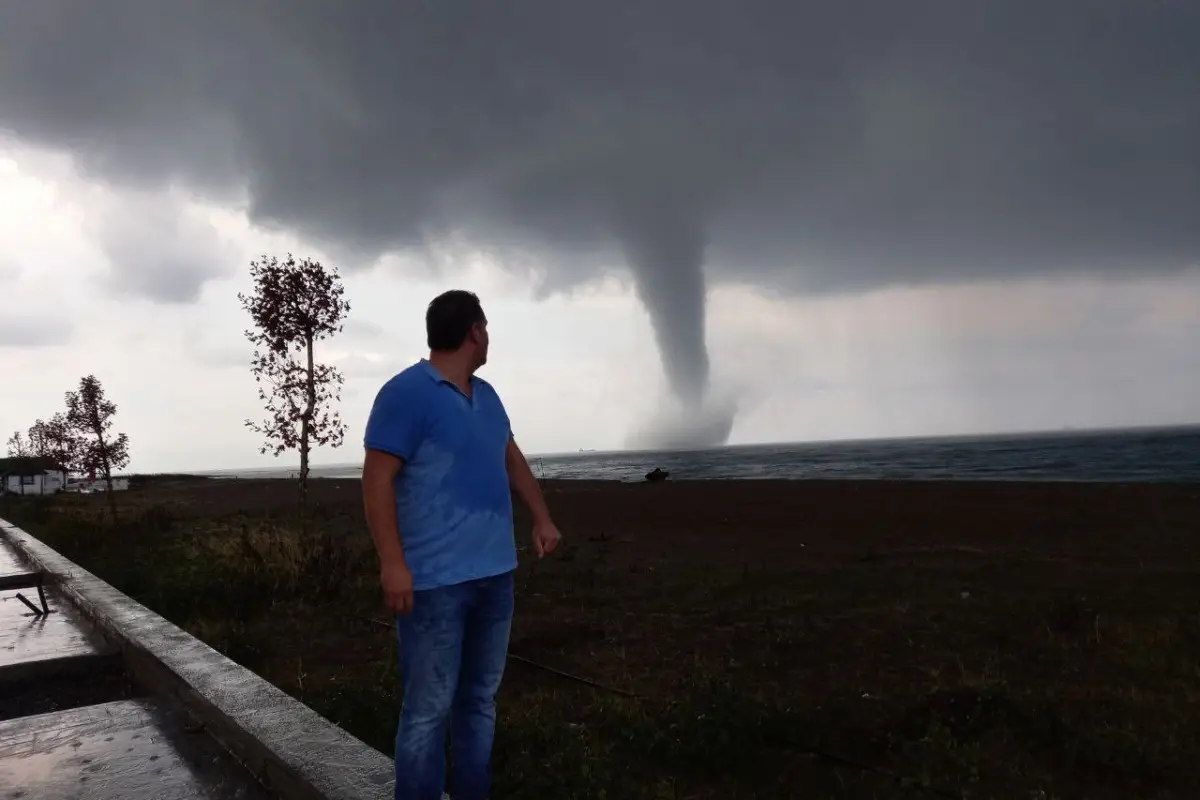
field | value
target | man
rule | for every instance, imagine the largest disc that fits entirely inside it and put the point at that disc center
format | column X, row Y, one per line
column 440, row 467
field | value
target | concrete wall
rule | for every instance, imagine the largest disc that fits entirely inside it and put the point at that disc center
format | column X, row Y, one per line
column 292, row 750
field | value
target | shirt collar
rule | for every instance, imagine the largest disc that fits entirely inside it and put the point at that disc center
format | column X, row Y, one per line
column 437, row 377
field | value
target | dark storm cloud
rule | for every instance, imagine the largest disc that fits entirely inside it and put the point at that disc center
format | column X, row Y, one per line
column 808, row 146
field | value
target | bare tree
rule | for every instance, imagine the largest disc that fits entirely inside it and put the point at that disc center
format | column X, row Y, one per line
column 90, row 417
column 295, row 304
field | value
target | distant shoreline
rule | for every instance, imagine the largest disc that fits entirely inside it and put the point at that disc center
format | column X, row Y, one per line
column 1145, row 455
column 626, row 463
column 1050, row 433
column 724, row 484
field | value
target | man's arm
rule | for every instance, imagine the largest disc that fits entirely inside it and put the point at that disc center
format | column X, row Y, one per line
column 394, row 431
column 379, row 473
column 545, row 535
column 520, row 477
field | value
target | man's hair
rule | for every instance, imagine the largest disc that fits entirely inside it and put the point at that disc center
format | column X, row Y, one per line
column 449, row 319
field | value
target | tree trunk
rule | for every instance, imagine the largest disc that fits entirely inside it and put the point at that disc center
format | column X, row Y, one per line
column 306, row 421
column 112, row 497
column 303, row 463
column 102, row 449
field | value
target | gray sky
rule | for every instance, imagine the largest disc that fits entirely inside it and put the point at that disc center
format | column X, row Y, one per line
column 910, row 217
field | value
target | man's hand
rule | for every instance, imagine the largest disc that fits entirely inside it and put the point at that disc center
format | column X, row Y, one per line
column 545, row 538
column 397, row 587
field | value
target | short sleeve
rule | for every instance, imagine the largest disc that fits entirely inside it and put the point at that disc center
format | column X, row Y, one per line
column 396, row 423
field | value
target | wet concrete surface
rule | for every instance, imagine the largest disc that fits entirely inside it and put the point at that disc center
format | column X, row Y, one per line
column 9, row 563
column 48, row 644
column 126, row 750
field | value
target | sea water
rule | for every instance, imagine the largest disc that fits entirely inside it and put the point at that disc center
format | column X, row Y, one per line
column 1142, row 455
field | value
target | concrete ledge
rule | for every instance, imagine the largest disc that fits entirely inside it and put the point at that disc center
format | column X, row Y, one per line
column 292, row 750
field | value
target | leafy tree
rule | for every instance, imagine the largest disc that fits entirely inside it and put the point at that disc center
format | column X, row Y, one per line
column 61, row 443
column 55, row 440
column 18, row 447
column 295, row 304
column 36, row 443
column 90, row 418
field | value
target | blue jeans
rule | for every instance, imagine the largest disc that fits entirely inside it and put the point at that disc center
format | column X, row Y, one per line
column 453, row 646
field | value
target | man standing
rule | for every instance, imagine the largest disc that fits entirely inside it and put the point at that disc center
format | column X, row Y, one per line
column 440, row 467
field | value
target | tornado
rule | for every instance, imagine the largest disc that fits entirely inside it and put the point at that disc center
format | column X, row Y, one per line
column 665, row 250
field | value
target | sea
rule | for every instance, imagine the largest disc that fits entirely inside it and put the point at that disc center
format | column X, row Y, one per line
column 1145, row 455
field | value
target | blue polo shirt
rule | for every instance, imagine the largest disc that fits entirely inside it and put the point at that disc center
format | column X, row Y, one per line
column 453, row 500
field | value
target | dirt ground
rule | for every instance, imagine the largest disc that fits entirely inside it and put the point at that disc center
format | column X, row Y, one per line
column 741, row 638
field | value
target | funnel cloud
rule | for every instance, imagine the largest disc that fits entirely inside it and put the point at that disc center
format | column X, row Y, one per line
column 800, row 147
column 666, row 253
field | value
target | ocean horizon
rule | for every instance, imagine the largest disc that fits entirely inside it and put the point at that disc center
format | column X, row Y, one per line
column 1149, row 454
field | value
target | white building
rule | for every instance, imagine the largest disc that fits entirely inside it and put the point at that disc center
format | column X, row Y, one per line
column 87, row 486
column 31, row 476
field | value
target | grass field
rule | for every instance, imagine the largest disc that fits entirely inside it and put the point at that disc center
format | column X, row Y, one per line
column 747, row 639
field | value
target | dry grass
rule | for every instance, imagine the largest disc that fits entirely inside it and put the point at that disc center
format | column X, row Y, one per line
column 916, row 663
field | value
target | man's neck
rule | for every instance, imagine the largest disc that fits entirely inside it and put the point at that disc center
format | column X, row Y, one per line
column 454, row 367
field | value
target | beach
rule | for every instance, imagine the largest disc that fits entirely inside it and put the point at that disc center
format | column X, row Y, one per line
column 735, row 638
